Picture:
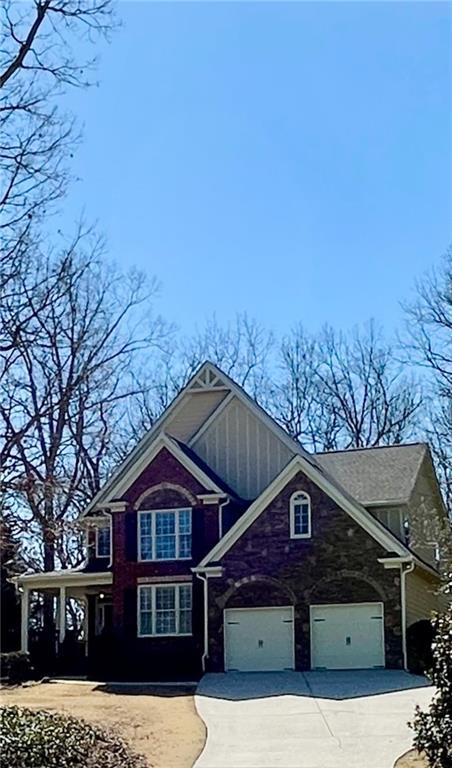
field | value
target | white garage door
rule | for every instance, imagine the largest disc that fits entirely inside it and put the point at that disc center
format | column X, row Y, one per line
column 349, row 636
column 258, row 639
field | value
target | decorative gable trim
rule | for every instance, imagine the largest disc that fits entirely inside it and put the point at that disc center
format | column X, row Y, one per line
column 207, row 377
column 193, row 385
column 357, row 512
column 161, row 441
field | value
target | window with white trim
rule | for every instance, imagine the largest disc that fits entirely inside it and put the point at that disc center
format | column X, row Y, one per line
column 164, row 534
column 103, row 541
column 300, row 515
column 164, row 609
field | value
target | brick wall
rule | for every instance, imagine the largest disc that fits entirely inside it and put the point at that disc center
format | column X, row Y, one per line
column 170, row 485
column 338, row 564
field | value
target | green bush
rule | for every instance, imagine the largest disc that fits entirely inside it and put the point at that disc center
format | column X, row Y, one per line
column 433, row 728
column 16, row 666
column 39, row 739
column 419, row 639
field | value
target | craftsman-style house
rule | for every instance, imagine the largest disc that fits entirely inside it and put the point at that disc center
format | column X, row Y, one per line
column 221, row 544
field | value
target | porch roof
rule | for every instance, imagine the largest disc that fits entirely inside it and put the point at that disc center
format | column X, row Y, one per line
column 63, row 578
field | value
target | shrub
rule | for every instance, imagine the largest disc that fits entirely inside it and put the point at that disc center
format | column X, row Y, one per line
column 16, row 666
column 433, row 728
column 39, row 739
column 419, row 638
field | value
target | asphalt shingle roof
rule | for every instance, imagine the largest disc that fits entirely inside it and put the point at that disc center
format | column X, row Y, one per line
column 378, row 474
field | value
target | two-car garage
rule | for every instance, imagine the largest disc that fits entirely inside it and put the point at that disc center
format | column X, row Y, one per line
column 343, row 636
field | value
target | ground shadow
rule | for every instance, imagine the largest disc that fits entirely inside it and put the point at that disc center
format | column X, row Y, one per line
column 147, row 689
column 240, row 686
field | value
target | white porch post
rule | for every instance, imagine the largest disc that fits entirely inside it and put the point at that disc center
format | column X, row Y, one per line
column 24, row 609
column 85, row 623
column 62, row 614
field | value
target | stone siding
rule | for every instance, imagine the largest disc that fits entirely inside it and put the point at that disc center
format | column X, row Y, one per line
column 338, row 564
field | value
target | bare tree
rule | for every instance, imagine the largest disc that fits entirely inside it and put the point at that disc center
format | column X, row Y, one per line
column 242, row 349
column 40, row 57
column 298, row 398
column 428, row 342
column 343, row 391
column 63, row 395
column 40, row 45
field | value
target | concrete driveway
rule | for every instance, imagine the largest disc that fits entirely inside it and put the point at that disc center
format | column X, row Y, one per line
column 308, row 720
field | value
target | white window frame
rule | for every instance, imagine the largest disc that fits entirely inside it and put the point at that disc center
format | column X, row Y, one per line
column 153, row 513
column 153, row 587
column 293, row 500
column 107, row 525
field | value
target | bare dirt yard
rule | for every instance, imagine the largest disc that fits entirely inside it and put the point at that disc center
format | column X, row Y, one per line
column 411, row 759
column 160, row 723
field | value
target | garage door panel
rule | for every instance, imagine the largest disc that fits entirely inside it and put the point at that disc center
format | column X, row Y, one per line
column 347, row 636
column 258, row 639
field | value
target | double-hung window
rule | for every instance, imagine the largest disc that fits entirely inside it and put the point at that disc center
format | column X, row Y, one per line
column 300, row 516
column 164, row 534
column 103, row 545
column 164, row 609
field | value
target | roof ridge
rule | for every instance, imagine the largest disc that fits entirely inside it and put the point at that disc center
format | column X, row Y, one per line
column 371, row 448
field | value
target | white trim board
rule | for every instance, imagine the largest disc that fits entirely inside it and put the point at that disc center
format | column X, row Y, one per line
column 126, row 468
column 68, row 578
column 146, row 440
column 161, row 441
column 299, row 464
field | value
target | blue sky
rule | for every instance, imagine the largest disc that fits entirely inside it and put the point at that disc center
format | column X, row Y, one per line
column 291, row 160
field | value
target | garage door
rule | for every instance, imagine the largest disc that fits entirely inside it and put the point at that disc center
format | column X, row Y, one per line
column 258, row 639
column 349, row 636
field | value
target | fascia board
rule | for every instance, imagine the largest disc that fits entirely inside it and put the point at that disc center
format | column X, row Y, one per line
column 299, row 463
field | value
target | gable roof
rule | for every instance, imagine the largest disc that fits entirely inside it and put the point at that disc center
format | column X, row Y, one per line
column 385, row 474
column 119, row 484
column 374, row 527
column 208, row 378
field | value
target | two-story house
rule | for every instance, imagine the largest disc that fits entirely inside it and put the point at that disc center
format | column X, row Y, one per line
column 221, row 544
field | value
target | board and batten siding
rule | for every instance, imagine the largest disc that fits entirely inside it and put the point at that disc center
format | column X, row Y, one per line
column 194, row 411
column 242, row 450
column 421, row 597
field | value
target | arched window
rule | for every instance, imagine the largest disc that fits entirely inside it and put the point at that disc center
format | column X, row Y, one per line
column 300, row 516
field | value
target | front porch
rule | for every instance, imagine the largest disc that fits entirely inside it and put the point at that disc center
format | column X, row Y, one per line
column 65, row 647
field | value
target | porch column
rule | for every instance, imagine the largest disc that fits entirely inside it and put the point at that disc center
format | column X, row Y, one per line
column 62, row 614
column 85, row 623
column 24, row 610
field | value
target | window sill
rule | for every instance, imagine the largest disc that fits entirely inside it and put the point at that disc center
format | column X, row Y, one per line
column 164, row 560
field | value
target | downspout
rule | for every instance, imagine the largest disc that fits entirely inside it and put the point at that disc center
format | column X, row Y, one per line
column 205, row 654
column 403, row 573
column 110, row 562
column 220, row 517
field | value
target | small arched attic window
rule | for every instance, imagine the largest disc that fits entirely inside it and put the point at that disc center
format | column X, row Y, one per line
column 300, row 515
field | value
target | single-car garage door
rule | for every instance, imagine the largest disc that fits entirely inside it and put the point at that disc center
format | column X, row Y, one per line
column 347, row 636
column 258, row 639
